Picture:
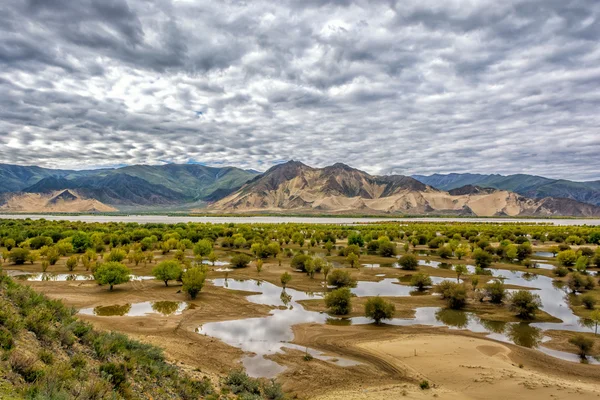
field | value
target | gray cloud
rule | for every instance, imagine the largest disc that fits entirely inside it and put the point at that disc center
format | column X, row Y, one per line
column 418, row 86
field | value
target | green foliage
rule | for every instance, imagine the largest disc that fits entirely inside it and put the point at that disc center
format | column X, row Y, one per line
column 81, row 242
column 340, row 278
column 111, row 274
column 203, row 248
column 482, row 258
column 588, row 301
column 524, row 303
column 578, row 282
column 285, row 278
column 583, row 344
column 454, row 293
column 408, row 262
column 378, row 309
column 193, row 281
column 18, row 255
column 240, row 260
column 421, row 281
column 424, row 385
column 167, row 271
column 495, row 291
column 567, row 258
column 115, row 255
column 299, row 262
column 339, row 301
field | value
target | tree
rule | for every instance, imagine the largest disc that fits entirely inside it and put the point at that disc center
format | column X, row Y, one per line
column 72, row 263
column 352, row 260
column 378, row 309
column 583, row 344
column 115, row 255
column 328, row 246
column 588, row 301
column 455, row 294
column 193, row 281
column 112, row 273
column 409, row 262
column 474, row 281
column 203, row 248
column 495, row 291
column 33, row 256
column 53, row 256
column 582, row 264
column 299, row 262
column 595, row 317
column 460, row 270
column 356, row 238
column 18, row 255
column 445, row 252
column 510, row 252
column 326, row 269
column 285, row 278
column 240, row 261
column 259, row 265
column 482, row 258
column 81, row 242
column 421, row 281
column 340, row 278
column 462, row 251
column 554, row 250
column 386, row 248
column 9, row 244
column 567, row 258
column 167, row 271
column 339, row 301
column 212, row 257
column 524, row 303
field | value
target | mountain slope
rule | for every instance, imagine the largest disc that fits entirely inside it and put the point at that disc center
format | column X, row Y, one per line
column 339, row 188
column 526, row 185
column 64, row 201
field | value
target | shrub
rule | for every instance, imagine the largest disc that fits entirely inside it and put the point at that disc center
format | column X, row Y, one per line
column 524, row 303
column 340, row 278
column 193, row 281
column 46, row 356
column 203, row 248
column 588, row 301
column 482, row 258
column 240, row 383
column 445, row 252
column 116, row 374
column 424, row 384
column 167, row 271
column 115, row 255
column 561, row 271
column 72, row 263
column 25, row 366
column 567, row 258
column 378, row 309
column 339, row 301
column 6, row 339
column 112, row 273
column 18, row 255
column 454, row 293
column 495, row 291
column 420, row 281
column 240, row 261
column 285, row 278
column 583, row 344
column 408, row 262
column 578, row 282
column 299, row 262
column 386, row 249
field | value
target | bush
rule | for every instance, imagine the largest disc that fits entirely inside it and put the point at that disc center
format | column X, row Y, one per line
column 567, row 258
column 386, row 248
column 424, row 384
column 378, row 309
column 46, row 356
column 299, row 262
column 240, row 261
column 115, row 255
column 340, row 278
column 482, row 258
column 167, row 271
column 445, row 252
column 285, row 278
column 579, row 283
column 495, row 291
column 72, row 263
column 561, row 271
column 193, row 281
column 18, row 255
column 112, row 273
column 339, row 301
column 116, row 374
column 583, row 344
column 420, row 281
column 524, row 303
column 454, row 293
column 6, row 339
column 240, row 383
column 408, row 262
column 25, row 366
column 588, row 301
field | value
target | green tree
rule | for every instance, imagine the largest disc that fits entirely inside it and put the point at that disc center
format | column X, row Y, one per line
column 524, row 303
column 421, row 281
column 203, row 248
column 18, row 255
column 72, row 263
column 240, row 260
column 583, row 344
column 482, row 258
column 326, row 269
column 285, row 278
column 409, row 262
column 595, row 317
column 445, row 252
column 462, row 251
column 112, row 273
column 340, row 278
column 352, row 260
column 495, row 291
column 460, row 270
column 339, row 301
column 299, row 261
column 378, row 309
column 167, row 271
column 193, row 281
column 567, row 258
column 81, row 242
column 115, row 255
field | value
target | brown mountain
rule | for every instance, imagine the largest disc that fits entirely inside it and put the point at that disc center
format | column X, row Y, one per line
column 54, row 201
column 294, row 186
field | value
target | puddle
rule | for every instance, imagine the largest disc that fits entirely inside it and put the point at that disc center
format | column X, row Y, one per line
column 216, row 263
column 268, row 335
column 380, row 275
column 541, row 265
column 223, row 269
column 165, row 308
column 543, row 254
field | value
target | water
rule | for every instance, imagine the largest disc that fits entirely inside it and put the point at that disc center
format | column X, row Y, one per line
column 144, row 219
column 50, row 276
column 542, row 265
column 165, row 308
column 543, row 254
column 269, row 335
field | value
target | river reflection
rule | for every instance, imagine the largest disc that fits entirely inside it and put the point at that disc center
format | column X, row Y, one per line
column 165, row 308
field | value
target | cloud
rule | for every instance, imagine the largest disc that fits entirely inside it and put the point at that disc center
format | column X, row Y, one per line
column 417, row 86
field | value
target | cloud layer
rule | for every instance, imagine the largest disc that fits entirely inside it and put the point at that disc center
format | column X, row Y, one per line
column 413, row 86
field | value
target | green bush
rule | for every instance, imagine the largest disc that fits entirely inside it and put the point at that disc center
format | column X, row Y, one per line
column 339, row 301
column 524, row 303
column 112, row 273
column 6, row 339
column 18, row 255
column 378, row 309
column 193, row 281
column 240, row 261
column 588, row 301
column 454, row 293
column 116, row 374
column 583, row 344
column 421, row 281
column 495, row 291
column 167, row 271
column 408, row 262
column 340, row 278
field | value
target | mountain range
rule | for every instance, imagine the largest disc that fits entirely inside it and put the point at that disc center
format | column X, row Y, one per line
column 526, row 185
column 290, row 187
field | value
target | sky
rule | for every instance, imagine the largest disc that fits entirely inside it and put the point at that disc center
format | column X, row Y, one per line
column 405, row 87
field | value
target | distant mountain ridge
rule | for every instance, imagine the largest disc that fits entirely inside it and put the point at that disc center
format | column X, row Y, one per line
column 294, row 186
column 526, row 185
